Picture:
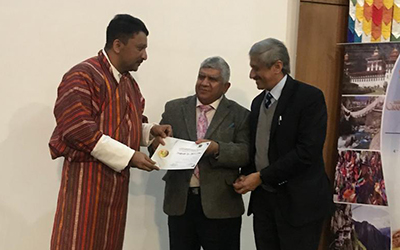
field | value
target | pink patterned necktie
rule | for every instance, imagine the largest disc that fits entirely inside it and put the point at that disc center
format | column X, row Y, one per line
column 202, row 126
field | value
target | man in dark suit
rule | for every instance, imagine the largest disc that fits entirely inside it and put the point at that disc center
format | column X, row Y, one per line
column 202, row 206
column 291, row 192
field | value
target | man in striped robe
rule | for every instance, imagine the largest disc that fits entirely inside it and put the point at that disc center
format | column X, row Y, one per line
column 99, row 131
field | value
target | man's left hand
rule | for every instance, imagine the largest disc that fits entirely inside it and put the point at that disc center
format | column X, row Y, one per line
column 247, row 183
column 213, row 148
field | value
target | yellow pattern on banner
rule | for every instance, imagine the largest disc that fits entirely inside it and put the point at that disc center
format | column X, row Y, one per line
column 359, row 12
column 375, row 40
column 367, row 25
column 386, row 30
column 369, row 2
column 396, row 13
column 388, row 3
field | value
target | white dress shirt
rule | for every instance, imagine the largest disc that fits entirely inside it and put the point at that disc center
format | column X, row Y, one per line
column 276, row 91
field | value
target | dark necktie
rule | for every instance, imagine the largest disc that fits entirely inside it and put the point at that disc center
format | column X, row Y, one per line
column 268, row 100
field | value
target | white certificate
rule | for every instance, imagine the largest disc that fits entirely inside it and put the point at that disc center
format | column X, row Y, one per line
column 178, row 154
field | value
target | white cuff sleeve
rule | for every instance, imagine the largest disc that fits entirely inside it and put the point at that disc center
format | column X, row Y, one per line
column 147, row 138
column 113, row 153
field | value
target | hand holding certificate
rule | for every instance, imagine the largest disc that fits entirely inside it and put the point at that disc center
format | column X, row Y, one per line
column 178, row 154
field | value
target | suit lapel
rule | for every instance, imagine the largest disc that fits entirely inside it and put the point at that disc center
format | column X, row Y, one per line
column 220, row 114
column 287, row 92
column 256, row 109
column 189, row 114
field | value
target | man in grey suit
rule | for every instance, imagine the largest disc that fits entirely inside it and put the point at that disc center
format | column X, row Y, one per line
column 202, row 206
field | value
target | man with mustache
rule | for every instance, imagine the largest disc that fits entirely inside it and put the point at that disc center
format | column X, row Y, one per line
column 290, row 191
column 203, row 208
column 99, row 131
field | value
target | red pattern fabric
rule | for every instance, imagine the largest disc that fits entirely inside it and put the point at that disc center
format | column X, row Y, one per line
column 377, row 15
column 92, row 201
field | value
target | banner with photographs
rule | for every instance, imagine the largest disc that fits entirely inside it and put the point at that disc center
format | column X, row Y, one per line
column 366, row 192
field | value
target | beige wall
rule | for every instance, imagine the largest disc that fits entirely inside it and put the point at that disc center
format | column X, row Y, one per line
column 41, row 40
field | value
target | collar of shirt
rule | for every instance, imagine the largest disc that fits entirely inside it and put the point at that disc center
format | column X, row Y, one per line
column 115, row 72
column 214, row 105
column 277, row 90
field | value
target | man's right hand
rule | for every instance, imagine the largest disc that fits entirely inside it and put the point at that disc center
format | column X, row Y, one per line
column 143, row 162
column 157, row 141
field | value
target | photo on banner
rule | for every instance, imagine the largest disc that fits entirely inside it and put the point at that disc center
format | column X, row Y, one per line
column 368, row 68
column 359, row 178
column 360, row 122
column 358, row 227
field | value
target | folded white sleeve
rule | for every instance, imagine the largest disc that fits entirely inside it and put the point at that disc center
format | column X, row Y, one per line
column 113, row 153
column 147, row 138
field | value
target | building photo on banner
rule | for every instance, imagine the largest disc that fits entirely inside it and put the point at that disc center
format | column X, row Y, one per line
column 366, row 189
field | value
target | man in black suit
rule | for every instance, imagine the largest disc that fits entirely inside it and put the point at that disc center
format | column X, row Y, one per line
column 202, row 206
column 291, row 193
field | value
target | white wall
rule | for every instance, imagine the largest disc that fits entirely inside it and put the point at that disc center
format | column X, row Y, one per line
column 41, row 40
